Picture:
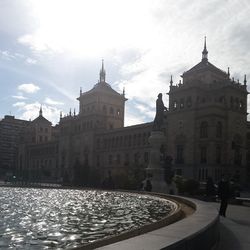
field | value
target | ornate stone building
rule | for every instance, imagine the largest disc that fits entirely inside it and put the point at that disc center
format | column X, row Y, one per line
column 207, row 122
column 206, row 132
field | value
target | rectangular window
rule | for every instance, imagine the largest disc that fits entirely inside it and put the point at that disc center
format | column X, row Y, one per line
column 179, row 154
column 110, row 159
column 146, row 158
column 203, row 154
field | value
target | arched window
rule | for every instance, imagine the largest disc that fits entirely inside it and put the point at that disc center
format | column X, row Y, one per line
column 104, row 109
column 204, row 130
column 219, row 130
column 203, row 156
column 218, row 154
column 111, row 111
column 189, row 101
column 175, row 105
column 182, row 103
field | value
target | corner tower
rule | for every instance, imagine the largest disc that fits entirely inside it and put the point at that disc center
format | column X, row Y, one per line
column 207, row 121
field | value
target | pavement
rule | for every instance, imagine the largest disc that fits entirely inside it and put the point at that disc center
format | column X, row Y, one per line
column 234, row 228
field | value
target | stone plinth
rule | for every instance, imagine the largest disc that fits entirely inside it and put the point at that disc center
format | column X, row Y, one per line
column 155, row 168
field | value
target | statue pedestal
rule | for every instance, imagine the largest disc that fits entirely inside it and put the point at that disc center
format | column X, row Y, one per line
column 155, row 167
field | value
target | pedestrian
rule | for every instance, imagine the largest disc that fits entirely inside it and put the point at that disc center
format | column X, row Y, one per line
column 210, row 190
column 148, row 186
column 224, row 194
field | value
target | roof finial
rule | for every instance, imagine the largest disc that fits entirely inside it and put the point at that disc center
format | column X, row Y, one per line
column 102, row 73
column 60, row 115
column 205, row 52
column 80, row 91
column 245, row 80
column 70, row 112
column 123, row 91
column 228, row 73
column 171, row 80
column 41, row 111
column 74, row 112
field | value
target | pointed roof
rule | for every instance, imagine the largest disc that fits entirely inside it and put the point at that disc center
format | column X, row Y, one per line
column 102, row 86
column 205, row 65
column 40, row 118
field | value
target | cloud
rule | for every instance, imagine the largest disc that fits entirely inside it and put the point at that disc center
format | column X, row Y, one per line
column 52, row 102
column 31, row 111
column 30, row 60
column 20, row 97
column 28, row 88
column 19, row 104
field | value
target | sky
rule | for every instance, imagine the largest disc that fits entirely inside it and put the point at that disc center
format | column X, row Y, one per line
column 51, row 48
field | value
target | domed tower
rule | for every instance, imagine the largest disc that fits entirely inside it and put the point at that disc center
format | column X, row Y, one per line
column 102, row 106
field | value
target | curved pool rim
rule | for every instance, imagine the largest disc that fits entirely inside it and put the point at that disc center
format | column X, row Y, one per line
column 200, row 230
column 174, row 216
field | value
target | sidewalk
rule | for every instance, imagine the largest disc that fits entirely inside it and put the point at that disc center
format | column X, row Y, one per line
column 235, row 228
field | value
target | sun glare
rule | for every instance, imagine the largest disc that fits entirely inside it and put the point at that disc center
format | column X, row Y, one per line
column 89, row 28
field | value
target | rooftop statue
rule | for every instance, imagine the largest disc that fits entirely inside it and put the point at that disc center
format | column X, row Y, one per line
column 159, row 117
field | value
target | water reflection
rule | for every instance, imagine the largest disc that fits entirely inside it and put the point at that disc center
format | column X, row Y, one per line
column 60, row 219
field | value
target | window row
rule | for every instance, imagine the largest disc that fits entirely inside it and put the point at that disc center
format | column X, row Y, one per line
column 105, row 110
column 126, row 159
column 123, row 141
column 180, row 154
column 204, row 129
column 235, row 102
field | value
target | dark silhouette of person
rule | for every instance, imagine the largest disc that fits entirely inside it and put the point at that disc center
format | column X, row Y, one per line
column 159, row 117
column 224, row 194
column 210, row 190
column 148, row 186
column 108, row 182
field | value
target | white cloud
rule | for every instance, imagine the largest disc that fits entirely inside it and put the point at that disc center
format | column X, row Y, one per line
column 20, row 97
column 52, row 102
column 31, row 111
column 30, row 60
column 28, row 88
column 19, row 104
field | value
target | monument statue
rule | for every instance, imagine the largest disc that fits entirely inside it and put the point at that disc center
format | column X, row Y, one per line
column 159, row 117
column 159, row 168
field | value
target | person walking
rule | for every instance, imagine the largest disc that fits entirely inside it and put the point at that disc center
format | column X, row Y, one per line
column 224, row 194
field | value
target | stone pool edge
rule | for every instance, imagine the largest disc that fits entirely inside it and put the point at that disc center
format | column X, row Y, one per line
column 176, row 215
column 197, row 231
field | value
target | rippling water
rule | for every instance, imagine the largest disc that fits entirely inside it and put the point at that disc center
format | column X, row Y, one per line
column 59, row 219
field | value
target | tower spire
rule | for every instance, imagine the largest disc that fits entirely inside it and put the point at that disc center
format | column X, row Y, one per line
column 245, row 80
column 102, row 73
column 41, row 111
column 205, row 52
column 171, row 80
column 228, row 73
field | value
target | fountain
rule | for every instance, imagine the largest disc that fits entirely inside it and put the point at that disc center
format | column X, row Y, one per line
column 63, row 218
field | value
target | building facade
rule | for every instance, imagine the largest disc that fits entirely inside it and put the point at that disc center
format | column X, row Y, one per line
column 206, row 131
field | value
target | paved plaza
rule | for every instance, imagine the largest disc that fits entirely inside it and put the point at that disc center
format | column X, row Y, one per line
column 235, row 228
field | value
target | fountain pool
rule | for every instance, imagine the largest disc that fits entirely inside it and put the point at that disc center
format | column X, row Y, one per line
column 65, row 218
